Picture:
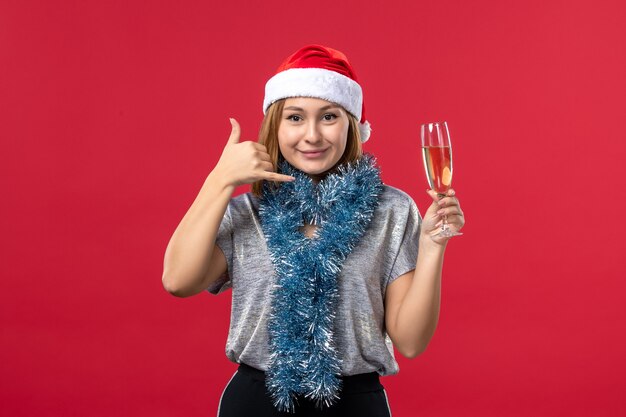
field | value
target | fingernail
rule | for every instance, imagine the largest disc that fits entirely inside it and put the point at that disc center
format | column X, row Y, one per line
column 441, row 211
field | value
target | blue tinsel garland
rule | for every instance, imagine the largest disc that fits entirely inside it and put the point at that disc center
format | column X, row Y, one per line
column 303, row 357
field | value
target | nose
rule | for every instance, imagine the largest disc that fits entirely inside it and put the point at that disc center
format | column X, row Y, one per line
column 313, row 134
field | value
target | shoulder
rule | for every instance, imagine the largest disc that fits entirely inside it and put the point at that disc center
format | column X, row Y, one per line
column 397, row 206
column 394, row 197
column 243, row 204
column 245, row 199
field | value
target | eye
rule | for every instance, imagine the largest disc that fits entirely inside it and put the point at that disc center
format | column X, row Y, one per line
column 294, row 118
column 329, row 116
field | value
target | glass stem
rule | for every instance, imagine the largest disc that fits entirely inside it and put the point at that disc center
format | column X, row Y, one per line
column 444, row 223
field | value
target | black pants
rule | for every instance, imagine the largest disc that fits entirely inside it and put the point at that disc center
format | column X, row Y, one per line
column 245, row 395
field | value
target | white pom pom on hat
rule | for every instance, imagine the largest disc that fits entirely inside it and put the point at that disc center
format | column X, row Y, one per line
column 321, row 72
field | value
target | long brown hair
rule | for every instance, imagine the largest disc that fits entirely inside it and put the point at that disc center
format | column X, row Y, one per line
column 268, row 136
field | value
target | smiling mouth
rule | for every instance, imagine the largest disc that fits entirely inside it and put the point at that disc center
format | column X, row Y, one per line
column 314, row 154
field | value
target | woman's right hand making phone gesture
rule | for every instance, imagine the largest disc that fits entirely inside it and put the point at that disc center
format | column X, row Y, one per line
column 245, row 162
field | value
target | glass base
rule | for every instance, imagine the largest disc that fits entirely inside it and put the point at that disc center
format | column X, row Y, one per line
column 446, row 231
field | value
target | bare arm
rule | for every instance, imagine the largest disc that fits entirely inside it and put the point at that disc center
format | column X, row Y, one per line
column 412, row 301
column 192, row 261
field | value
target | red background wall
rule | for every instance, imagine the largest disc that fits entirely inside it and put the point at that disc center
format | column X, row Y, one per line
column 112, row 114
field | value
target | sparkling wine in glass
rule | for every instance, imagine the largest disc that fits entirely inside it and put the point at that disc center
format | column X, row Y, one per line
column 437, row 153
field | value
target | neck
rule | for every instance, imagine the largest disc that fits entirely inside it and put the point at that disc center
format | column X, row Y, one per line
column 316, row 178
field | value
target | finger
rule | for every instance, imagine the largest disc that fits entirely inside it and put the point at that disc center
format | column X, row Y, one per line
column 456, row 220
column 448, row 201
column 254, row 147
column 263, row 156
column 451, row 192
column 433, row 194
column 266, row 166
column 235, row 132
column 436, row 228
column 450, row 211
column 272, row 176
column 258, row 147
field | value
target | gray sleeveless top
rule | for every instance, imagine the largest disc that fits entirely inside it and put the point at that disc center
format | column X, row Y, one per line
column 387, row 250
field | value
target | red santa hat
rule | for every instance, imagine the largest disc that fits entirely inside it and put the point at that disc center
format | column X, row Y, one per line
column 321, row 72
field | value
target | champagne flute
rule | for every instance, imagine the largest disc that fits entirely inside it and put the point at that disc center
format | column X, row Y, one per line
column 437, row 153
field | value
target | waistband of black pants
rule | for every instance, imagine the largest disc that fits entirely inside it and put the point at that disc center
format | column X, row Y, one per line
column 351, row 384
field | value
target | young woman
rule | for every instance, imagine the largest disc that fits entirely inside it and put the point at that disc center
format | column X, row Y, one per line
column 329, row 267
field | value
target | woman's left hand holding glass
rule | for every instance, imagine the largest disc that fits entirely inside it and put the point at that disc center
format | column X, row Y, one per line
column 447, row 206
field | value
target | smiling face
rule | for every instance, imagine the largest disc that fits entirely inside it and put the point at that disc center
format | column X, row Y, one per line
column 312, row 134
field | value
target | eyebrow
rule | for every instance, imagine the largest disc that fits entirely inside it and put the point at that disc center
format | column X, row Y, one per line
column 330, row 106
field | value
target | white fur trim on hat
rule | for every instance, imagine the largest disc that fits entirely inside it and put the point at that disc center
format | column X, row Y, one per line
column 318, row 83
